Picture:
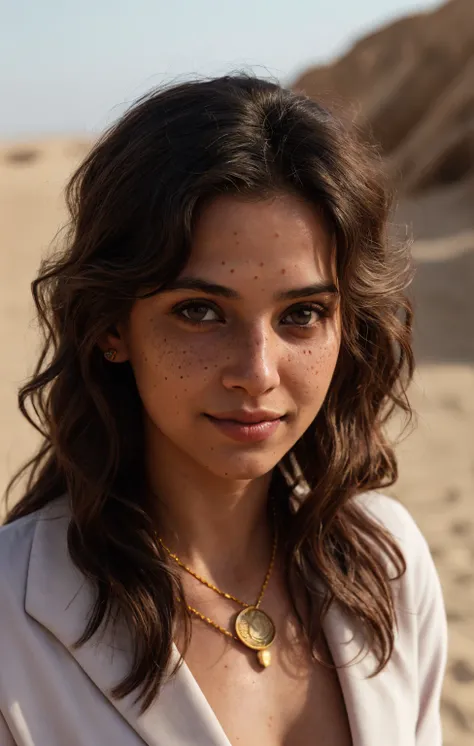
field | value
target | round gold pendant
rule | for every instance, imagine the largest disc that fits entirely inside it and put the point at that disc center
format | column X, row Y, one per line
column 255, row 628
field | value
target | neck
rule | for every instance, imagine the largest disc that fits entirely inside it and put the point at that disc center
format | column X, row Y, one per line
column 218, row 527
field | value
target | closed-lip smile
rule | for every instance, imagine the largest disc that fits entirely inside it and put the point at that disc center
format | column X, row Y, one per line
column 247, row 426
column 247, row 416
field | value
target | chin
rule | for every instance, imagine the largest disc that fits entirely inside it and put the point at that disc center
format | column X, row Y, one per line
column 244, row 467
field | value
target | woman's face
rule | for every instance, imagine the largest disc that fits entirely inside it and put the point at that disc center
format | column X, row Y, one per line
column 234, row 361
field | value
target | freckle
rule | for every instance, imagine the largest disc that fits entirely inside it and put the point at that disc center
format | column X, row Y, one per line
column 223, row 264
column 256, row 277
column 236, row 233
column 166, row 378
column 181, row 377
column 262, row 264
column 232, row 271
column 283, row 271
column 206, row 368
column 277, row 235
column 310, row 352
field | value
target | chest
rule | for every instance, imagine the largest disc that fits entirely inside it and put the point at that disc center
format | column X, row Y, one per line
column 295, row 701
column 218, row 691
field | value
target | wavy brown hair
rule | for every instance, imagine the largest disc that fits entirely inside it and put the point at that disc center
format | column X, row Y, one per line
column 133, row 204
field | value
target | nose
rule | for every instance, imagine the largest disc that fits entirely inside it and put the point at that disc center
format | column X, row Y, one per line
column 254, row 363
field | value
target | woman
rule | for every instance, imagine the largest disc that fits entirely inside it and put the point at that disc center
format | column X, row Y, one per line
column 201, row 555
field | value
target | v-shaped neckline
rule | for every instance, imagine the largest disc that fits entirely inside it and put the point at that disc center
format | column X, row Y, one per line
column 191, row 681
column 343, row 680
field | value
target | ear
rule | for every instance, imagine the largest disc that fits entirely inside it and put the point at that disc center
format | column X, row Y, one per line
column 114, row 340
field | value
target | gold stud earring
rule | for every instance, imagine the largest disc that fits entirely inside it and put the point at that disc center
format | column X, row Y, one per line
column 110, row 355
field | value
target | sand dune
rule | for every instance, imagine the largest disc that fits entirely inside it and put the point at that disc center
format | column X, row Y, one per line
column 436, row 461
column 411, row 84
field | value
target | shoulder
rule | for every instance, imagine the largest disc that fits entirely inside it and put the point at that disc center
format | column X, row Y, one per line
column 420, row 582
column 422, row 629
column 391, row 514
column 397, row 520
column 16, row 541
column 15, row 547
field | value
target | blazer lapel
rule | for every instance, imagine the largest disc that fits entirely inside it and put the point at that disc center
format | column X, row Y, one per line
column 377, row 713
column 59, row 598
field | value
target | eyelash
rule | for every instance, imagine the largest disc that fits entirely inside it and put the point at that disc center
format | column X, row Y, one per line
column 178, row 311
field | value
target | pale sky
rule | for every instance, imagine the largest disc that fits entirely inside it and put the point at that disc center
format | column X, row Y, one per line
column 72, row 67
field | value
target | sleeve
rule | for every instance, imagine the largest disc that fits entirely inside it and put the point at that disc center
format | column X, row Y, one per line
column 6, row 738
column 432, row 649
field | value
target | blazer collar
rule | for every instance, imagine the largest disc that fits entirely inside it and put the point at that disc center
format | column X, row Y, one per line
column 59, row 598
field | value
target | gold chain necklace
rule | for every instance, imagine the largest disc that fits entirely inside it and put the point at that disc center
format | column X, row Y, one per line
column 253, row 627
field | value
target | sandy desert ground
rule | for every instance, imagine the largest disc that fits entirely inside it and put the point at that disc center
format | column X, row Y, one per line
column 436, row 461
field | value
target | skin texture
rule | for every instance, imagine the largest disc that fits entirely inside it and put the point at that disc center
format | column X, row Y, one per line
column 251, row 352
column 254, row 352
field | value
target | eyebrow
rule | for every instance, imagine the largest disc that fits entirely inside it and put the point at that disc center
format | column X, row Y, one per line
column 211, row 288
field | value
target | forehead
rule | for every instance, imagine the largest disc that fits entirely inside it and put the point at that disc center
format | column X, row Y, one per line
column 238, row 239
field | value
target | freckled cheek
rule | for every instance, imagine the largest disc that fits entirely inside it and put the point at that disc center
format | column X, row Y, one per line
column 169, row 362
column 310, row 372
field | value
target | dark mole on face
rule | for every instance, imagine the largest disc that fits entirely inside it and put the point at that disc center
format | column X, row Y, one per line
column 283, row 271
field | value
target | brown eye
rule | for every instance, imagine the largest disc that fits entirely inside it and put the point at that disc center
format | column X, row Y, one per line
column 306, row 315
column 197, row 312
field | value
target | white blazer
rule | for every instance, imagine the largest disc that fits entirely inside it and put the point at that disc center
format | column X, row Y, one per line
column 54, row 695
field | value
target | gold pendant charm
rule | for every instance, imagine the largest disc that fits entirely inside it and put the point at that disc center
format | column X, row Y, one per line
column 256, row 630
column 264, row 657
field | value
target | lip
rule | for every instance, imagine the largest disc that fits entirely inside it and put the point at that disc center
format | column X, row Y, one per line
column 248, row 417
column 246, row 426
